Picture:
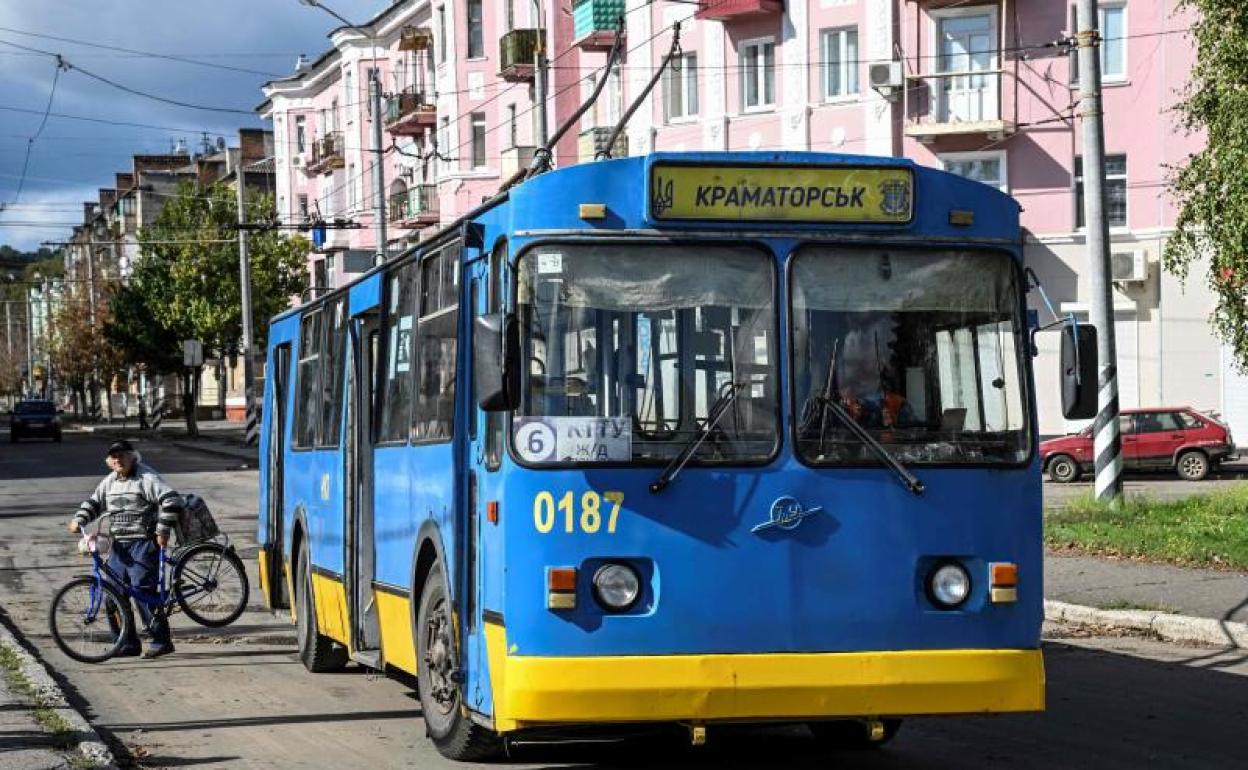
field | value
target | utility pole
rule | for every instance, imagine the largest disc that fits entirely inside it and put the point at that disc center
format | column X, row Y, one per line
column 48, row 384
column 1107, row 441
column 244, row 282
column 379, row 173
column 539, row 76
column 30, row 345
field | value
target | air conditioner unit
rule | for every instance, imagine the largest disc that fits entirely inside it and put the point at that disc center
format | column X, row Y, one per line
column 885, row 76
column 1129, row 266
column 296, row 160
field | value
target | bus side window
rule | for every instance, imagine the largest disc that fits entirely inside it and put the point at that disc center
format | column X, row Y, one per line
column 495, row 422
column 307, row 395
column 332, row 373
column 397, row 343
column 437, row 330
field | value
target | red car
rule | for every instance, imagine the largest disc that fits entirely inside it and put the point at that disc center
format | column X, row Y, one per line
column 1179, row 438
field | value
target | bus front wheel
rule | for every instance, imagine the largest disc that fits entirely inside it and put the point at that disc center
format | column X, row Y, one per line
column 439, row 674
column 855, row 734
column 319, row 653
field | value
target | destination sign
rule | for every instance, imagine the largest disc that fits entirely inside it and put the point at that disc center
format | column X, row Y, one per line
column 781, row 193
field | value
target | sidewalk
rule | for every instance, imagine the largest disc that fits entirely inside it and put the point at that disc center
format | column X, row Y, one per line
column 1124, row 585
column 24, row 744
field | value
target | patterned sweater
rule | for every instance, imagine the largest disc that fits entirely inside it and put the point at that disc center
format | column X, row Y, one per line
column 141, row 504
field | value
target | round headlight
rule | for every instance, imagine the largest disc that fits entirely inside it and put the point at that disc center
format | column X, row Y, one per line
column 616, row 586
column 949, row 585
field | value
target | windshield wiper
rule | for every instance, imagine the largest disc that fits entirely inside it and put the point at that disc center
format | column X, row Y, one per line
column 727, row 394
column 907, row 478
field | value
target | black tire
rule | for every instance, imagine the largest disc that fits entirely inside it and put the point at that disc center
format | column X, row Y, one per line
column 454, row 734
column 210, row 584
column 853, row 734
column 85, row 640
column 1064, row 469
column 57, row 437
column 319, row 653
column 12, row 436
column 1192, row 465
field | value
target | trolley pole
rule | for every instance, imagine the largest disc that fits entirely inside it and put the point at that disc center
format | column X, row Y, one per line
column 1107, row 442
column 244, row 284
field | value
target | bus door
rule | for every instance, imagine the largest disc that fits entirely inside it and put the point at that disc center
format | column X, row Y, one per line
column 359, row 530
column 273, row 579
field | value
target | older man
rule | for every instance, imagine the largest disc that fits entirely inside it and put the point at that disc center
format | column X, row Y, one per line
column 144, row 511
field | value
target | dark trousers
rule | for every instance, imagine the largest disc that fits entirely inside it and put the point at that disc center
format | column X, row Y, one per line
column 136, row 564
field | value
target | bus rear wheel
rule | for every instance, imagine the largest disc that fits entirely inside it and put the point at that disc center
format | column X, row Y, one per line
column 855, row 734
column 319, row 653
column 454, row 734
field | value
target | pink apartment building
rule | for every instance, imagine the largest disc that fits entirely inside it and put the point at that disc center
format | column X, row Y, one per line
column 984, row 89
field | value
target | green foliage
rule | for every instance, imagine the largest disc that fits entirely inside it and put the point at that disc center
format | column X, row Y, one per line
column 1211, row 187
column 185, row 283
column 1205, row 530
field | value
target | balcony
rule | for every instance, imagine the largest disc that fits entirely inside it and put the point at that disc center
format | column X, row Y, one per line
column 410, row 113
column 594, row 23
column 415, row 38
column 957, row 103
column 415, row 207
column 326, row 154
column 732, row 10
column 595, row 139
column 516, row 50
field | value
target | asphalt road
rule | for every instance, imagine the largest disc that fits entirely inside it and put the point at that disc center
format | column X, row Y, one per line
column 240, row 699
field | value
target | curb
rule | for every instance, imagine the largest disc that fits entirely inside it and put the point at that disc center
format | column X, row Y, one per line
column 49, row 694
column 1172, row 628
column 233, row 454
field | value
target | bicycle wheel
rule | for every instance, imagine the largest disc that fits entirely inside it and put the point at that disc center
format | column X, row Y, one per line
column 88, row 620
column 210, row 584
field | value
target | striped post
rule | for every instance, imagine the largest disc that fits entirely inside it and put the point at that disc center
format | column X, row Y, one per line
column 252, row 430
column 1107, row 443
column 158, row 408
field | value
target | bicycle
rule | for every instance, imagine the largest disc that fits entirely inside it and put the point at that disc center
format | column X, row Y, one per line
column 88, row 617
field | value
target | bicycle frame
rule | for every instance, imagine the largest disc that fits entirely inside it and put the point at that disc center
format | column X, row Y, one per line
column 100, row 571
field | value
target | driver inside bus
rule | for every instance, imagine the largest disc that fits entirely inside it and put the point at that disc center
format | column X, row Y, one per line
column 864, row 389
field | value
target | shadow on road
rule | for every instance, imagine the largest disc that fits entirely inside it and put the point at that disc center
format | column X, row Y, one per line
column 83, row 455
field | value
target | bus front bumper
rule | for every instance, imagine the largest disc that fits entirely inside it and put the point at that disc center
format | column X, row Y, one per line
column 791, row 686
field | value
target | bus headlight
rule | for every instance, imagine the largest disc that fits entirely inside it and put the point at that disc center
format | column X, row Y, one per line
column 948, row 585
column 616, row 586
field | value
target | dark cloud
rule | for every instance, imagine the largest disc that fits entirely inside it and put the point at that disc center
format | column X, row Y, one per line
column 72, row 157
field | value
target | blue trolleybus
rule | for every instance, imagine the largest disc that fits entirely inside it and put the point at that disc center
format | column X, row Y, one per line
column 689, row 438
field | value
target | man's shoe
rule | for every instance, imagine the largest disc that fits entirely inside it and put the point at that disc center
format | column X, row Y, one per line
column 129, row 652
column 156, row 652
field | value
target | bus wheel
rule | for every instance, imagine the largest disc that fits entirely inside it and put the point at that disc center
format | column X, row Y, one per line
column 451, row 730
column 319, row 653
column 855, row 734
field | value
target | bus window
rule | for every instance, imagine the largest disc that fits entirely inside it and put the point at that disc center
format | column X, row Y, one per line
column 397, row 374
column 437, row 330
column 919, row 347
column 307, row 395
column 628, row 347
column 494, row 421
column 332, row 372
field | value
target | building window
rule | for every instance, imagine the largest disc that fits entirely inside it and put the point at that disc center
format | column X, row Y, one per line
column 986, row 167
column 1115, row 191
column 476, row 31
column 1111, row 22
column 441, row 41
column 513, row 131
column 478, row 140
column 758, row 74
column 443, row 144
column 301, row 133
column 510, row 10
column 303, row 206
column 352, row 197
column 348, row 86
column 840, row 62
column 682, row 87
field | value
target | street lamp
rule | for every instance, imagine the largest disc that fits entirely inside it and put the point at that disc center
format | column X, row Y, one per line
column 379, row 202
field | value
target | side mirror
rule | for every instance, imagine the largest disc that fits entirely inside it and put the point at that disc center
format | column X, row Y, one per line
column 1079, row 376
column 496, row 361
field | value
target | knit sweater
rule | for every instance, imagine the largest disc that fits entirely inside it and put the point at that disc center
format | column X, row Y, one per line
column 141, row 504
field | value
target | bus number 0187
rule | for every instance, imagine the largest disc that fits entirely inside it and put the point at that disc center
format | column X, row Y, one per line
column 545, row 510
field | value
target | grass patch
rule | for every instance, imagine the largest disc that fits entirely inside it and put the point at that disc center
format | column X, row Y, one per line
column 1208, row 530
column 1127, row 604
column 47, row 718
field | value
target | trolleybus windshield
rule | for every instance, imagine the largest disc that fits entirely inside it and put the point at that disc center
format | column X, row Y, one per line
column 628, row 346
column 921, row 348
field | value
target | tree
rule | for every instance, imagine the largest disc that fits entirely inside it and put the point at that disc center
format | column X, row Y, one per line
column 186, row 282
column 81, row 351
column 1211, row 187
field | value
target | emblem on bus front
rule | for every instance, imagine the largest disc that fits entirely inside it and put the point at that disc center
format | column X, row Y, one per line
column 895, row 197
column 787, row 513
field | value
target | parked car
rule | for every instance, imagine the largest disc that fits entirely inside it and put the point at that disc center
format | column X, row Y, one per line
column 34, row 418
column 1179, row 438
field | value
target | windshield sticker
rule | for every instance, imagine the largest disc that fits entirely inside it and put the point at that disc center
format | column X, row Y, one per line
column 574, row 439
column 549, row 263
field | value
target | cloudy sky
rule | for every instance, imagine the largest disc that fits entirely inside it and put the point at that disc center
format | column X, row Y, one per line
column 72, row 158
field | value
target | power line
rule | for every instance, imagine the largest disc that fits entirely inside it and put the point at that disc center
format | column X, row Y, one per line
column 30, row 141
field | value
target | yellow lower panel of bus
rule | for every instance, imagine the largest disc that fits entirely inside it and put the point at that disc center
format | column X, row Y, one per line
column 394, row 615
column 331, row 607
column 290, row 591
column 262, row 558
column 535, row 690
